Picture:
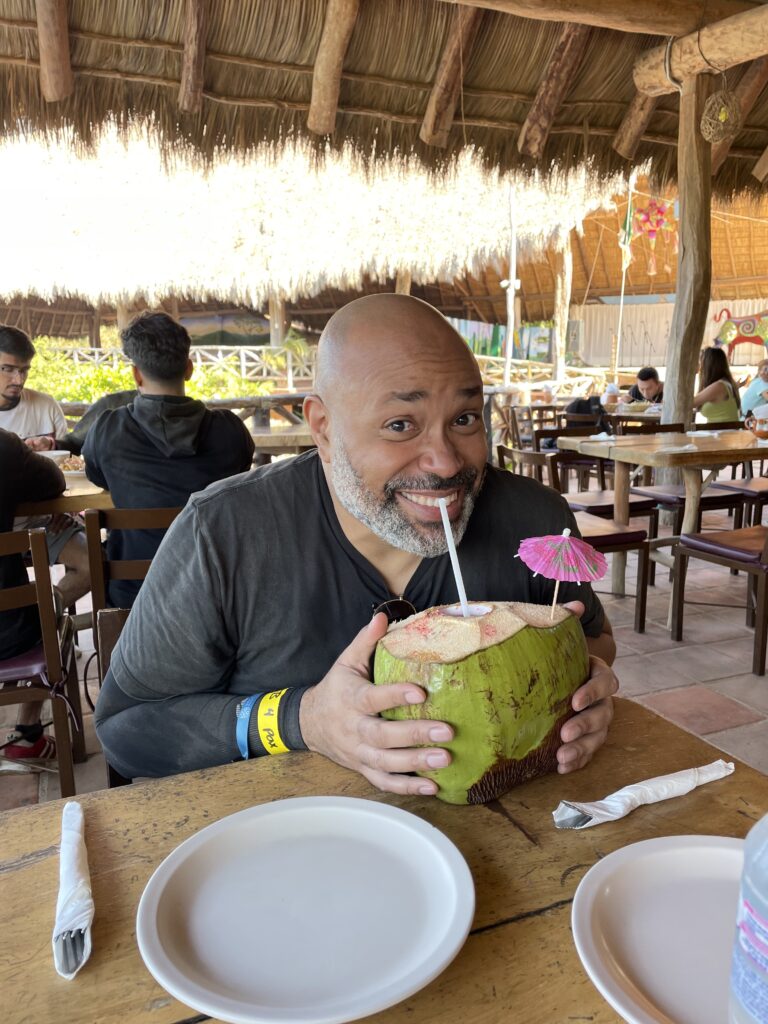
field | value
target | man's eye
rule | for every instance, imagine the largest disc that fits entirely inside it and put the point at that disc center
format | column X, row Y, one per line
column 400, row 426
column 467, row 419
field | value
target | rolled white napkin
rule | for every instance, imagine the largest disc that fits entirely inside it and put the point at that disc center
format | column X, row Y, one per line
column 576, row 815
column 601, row 437
column 678, row 448
column 74, row 907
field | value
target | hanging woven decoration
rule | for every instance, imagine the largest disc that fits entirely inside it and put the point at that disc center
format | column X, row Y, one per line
column 721, row 118
column 657, row 216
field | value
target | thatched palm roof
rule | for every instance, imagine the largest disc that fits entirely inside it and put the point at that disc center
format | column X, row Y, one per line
column 257, row 79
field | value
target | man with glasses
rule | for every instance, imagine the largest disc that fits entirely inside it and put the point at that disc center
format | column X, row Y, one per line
column 254, row 630
column 34, row 416
column 38, row 420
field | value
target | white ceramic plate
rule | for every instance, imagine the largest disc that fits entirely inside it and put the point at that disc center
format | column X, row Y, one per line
column 75, row 477
column 654, row 924
column 314, row 910
column 57, row 455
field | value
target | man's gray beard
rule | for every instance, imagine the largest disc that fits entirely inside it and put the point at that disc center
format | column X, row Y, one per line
column 385, row 518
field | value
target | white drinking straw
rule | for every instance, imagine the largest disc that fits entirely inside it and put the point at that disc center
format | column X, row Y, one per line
column 454, row 557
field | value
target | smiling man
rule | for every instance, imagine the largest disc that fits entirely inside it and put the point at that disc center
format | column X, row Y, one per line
column 264, row 642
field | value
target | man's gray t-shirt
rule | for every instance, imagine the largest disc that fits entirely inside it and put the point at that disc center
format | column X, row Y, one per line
column 255, row 588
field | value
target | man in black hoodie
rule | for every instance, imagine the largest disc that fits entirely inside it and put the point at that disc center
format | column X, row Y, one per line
column 163, row 446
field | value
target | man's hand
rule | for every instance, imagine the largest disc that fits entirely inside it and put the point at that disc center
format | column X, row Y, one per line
column 339, row 718
column 586, row 732
column 40, row 444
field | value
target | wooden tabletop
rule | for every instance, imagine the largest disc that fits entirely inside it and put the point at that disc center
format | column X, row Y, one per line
column 518, row 964
column 283, row 439
column 702, row 450
column 77, row 499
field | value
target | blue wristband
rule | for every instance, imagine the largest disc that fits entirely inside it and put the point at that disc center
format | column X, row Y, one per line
column 243, row 715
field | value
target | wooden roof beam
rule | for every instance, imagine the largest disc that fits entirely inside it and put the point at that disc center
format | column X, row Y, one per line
column 724, row 44
column 648, row 17
column 747, row 91
column 193, row 59
column 56, row 79
column 340, row 17
column 554, row 85
column 633, row 126
column 438, row 119
column 760, row 170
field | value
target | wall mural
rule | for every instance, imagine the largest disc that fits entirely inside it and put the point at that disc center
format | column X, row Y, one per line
column 741, row 330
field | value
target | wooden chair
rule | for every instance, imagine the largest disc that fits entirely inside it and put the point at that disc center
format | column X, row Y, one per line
column 102, row 569
column 583, row 465
column 50, row 664
column 745, row 550
column 603, row 534
column 109, row 626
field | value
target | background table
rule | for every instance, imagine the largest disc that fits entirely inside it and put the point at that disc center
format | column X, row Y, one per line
column 288, row 440
column 77, row 499
column 662, row 451
column 519, row 963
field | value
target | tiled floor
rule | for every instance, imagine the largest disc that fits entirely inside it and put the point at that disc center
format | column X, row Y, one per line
column 704, row 684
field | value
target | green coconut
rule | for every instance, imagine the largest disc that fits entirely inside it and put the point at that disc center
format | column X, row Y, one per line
column 502, row 677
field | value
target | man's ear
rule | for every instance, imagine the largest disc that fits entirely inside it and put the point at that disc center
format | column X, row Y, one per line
column 137, row 376
column 319, row 421
column 189, row 370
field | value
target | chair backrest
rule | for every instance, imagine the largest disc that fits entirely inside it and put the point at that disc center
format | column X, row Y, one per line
column 542, row 433
column 40, row 593
column 102, row 569
column 622, row 428
column 518, row 459
column 109, row 626
column 511, row 434
column 543, row 414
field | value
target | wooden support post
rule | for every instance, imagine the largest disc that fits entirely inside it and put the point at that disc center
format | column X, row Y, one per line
column 553, row 87
column 760, row 170
column 694, row 260
column 648, row 17
column 441, row 106
column 193, row 60
column 738, row 39
column 124, row 315
column 747, row 91
column 403, row 282
column 56, row 81
column 276, row 320
column 633, row 125
column 563, row 286
column 94, row 329
column 340, row 17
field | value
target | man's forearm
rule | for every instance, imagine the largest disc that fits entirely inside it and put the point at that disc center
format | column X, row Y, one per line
column 603, row 646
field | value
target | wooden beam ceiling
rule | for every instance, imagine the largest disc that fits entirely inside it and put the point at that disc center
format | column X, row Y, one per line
column 56, row 79
column 558, row 78
column 722, row 45
column 193, row 60
column 747, row 91
column 648, row 17
column 760, row 170
column 635, row 121
column 340, row 17
column 441, row 106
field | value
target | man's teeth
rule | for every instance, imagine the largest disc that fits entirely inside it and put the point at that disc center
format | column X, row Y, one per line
column 422, row 499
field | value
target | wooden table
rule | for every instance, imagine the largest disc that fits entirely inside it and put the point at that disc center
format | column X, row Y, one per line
column 288, row 440
column 519, row 963
column 658, row 451
column 77, row 499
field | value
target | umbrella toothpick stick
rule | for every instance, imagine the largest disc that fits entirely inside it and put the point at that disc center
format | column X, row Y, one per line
column 454, row 557
column 554, row 600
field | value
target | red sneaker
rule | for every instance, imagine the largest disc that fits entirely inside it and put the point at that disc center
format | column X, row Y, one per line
column 43, row 749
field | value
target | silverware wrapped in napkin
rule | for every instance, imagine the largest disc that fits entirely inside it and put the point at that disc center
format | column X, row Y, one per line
column 583, row 815
column 74, row 907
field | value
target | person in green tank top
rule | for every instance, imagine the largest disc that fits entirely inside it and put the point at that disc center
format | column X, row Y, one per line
column 718, row 397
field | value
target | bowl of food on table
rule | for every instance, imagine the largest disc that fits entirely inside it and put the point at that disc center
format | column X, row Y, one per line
column 73, row 468
column 57, row 455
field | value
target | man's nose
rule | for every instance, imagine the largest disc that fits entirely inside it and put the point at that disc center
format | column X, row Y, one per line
column 439, row 455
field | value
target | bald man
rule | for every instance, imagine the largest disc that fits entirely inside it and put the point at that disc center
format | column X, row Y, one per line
column 262, row 642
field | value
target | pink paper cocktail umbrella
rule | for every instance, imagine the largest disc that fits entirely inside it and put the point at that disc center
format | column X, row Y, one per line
column 562, row 558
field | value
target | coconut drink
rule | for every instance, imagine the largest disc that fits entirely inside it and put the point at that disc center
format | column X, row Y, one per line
column 501, row 676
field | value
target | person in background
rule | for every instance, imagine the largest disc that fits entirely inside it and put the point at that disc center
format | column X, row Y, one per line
column 38, row 420
column 163, row 446
column 647, row 387
column 32, row 415
column 718, row 396
column 75, row 439
column 24, row 476
column 756, row 392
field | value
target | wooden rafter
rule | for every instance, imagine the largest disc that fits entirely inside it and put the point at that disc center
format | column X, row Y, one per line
column 753, row 82
column 340, row 18
column 56, row 81
column 722, row 45
column 193, row 60
column 557, row 79
column 633, row 126
column 648, row 17
column 441, row 106
column 760, row 170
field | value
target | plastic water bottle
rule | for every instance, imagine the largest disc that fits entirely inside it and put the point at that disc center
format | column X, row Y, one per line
column 748, row 1003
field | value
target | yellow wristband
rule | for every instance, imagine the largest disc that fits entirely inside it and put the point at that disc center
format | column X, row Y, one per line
column 266, row 722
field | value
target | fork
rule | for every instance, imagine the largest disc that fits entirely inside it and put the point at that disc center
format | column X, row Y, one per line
column 71, row 945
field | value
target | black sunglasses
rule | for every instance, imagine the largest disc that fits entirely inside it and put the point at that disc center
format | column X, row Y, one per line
column 395, row 609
